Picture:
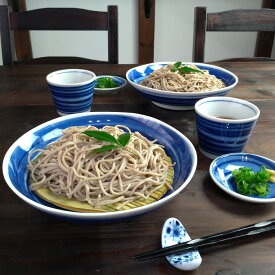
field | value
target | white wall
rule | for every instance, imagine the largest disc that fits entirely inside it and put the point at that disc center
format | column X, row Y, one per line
column 173, row 31
column 87, row 43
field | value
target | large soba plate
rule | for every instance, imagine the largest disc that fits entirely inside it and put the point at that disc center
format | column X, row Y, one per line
column 178, row 100
column 177, row 146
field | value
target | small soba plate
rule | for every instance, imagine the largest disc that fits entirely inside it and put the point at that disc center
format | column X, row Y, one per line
column 178, row 100
column 177, row 147
column 222, row 167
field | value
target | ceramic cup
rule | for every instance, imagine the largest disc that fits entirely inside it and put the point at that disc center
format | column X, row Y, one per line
column 224, row 124
column 72, row 90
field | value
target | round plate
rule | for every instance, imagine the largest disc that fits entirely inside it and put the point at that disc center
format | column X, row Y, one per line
column 121, row 82
column 177, row 146
column 221, row 168
column 176, row 100
column 174, row 107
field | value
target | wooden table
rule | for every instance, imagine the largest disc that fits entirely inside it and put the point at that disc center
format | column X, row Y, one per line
column 32, row 242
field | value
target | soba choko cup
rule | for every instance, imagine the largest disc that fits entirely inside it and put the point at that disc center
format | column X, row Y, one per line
column 72, row 90
column 224, row 124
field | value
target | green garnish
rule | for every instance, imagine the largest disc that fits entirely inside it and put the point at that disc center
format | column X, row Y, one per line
column 105, row 82
column 177, row 64
column 184, row 69
column 118, row 143
column 250, row 183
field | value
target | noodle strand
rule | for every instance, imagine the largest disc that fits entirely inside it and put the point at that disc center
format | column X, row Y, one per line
column 68, row 168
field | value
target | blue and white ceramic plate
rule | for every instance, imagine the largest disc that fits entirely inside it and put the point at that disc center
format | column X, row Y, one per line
column 222, row 167
column 173, row 232
column 178, row 100
column 121, row 82
column 177, row 146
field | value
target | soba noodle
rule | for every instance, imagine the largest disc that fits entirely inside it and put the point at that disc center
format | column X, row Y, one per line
column 67, row 167
column 165, row 79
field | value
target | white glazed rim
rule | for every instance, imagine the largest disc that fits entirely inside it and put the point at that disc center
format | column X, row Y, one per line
column 93, row 77
column 233, row 193
column 100, row 216
column 190, row 94
column 230, row 99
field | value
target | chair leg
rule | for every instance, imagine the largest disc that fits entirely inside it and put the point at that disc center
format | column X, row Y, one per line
column 5, row 35
column 199, row 34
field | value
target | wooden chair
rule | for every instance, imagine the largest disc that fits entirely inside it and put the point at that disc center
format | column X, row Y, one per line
column 262, row 20
column 59, row 19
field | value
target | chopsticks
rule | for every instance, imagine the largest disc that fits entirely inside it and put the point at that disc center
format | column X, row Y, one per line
column 209, row 241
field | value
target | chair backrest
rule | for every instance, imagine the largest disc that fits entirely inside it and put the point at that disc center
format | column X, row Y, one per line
column 59, row 19
column 261, row 20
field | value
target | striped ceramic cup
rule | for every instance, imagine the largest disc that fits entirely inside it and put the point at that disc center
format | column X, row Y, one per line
column 224, row 124
column 72, row 90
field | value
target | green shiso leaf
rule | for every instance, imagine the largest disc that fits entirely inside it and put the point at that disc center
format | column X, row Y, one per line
column 124, row 138
column 101, row 135
column 118, row 143
column 185, row 69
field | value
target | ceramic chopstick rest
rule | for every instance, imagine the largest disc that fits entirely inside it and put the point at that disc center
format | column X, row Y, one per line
column 173, row 232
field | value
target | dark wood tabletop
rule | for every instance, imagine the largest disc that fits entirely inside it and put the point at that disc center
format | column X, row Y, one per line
column 32, row 242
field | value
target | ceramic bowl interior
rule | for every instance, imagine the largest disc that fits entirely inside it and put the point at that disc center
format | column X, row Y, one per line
column 177, row 146
column 221, row 173
column 227, row 108
column 178, row 100
column 70, row 77
column 120, row 81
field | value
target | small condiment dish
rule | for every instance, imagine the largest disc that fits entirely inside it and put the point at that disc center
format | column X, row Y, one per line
column 173, row 232
column 120, row 81
column 221, row 173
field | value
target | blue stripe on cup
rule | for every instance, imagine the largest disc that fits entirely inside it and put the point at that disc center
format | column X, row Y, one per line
column 218, row 136
column 222, row 138
column 71, row 99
